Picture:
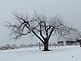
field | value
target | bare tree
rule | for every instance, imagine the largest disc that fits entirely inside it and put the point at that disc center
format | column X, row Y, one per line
column 40, row 26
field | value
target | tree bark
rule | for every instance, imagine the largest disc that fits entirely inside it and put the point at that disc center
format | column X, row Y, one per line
column 46, row 48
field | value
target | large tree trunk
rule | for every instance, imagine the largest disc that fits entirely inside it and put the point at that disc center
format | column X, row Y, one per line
column 46, row 48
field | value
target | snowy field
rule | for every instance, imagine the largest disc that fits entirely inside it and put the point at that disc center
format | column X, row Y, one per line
column 72, row 53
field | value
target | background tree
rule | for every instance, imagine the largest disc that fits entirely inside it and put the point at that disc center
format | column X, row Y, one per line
column 40, row 26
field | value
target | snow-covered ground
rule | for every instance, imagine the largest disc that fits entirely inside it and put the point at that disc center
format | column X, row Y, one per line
column 72, row 53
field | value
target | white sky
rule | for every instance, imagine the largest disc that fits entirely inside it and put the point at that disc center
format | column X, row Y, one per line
column 70, row 10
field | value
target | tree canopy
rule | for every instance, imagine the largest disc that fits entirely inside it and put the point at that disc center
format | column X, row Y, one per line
column 40, row 26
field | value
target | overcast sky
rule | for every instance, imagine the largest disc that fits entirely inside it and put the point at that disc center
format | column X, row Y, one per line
column 70, row 10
